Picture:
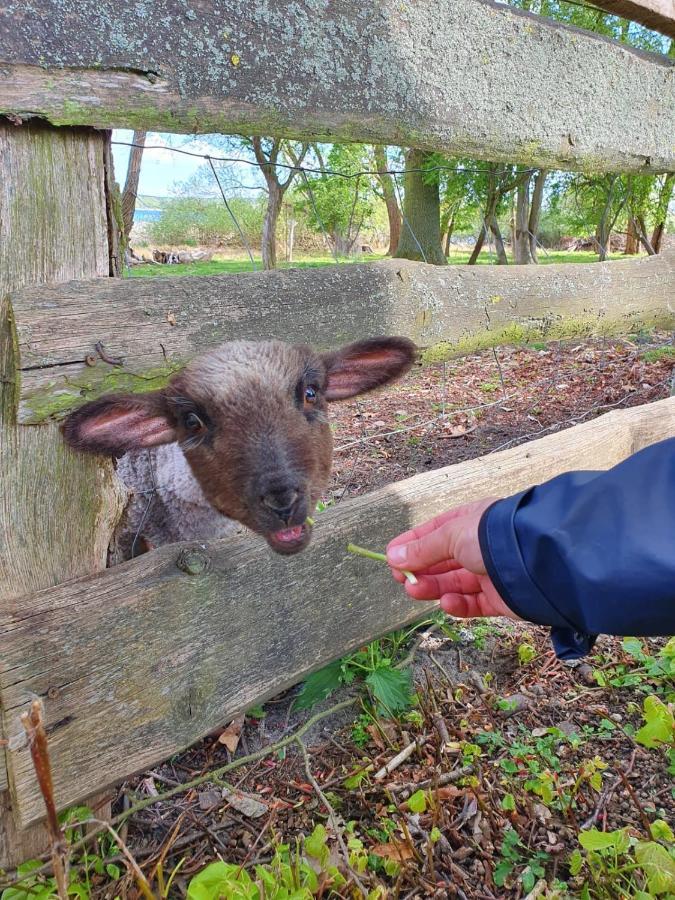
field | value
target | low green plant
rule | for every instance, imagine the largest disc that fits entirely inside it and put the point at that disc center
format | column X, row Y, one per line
column 85, row 867
column 617, row 864
column 642, row 670
column 292, row 874
column 652, row 356
column 375, row 666
column 517, row 863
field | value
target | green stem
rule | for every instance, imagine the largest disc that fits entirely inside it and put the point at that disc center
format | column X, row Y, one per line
column 378, row 557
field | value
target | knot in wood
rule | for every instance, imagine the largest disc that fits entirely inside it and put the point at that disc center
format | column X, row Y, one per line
column 193, row 562
column 53, row 693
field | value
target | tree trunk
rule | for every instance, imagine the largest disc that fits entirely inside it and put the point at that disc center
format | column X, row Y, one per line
column 130, row 192
column 535, row 212
column 290, row 238
column 448, row 236
column 502, row 258
column 478, row 246
column 662, row 209
column 421, row 228
column 632, row 244
column 269, row 232
column 390, row 199
column 521, row 237
column 602, row 229
column 641, row 229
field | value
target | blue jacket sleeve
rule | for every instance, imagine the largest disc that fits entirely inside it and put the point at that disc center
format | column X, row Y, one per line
column 590, row 552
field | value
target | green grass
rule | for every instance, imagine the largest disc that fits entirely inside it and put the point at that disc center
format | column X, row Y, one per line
column 653, row 356
column 234, row 266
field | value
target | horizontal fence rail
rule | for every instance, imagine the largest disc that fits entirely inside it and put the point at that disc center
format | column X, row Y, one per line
column 468, row 77
column 80, row 339
column 138, row 662
column 656, row 14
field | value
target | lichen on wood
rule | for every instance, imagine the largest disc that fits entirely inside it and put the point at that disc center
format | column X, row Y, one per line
column 493, row 83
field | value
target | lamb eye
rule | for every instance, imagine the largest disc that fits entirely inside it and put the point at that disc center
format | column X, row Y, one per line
column 310, row 395
column 193, row 423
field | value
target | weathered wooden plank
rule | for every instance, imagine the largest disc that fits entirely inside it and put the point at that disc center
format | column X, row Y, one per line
column 56, row 510
column 469, row 77
column 139, row 661
column 658, row 15
column 155, row 325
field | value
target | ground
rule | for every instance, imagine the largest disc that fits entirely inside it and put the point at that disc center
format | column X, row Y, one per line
column 512, row 754
column 230, row 261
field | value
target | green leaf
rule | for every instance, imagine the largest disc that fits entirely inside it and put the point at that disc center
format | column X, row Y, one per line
column 220, row 879
column 576, row 863
column 435, row 835
column 315, row 844
column 602, row 840
column 659, row 724
column 391, row 688
column 418, row 802
column 658, row 866
column 508, row 802
column 319, row 686
column 502, row 872
column 113, row 871
column 527, row 878
column 661, row 831
column 634, row 648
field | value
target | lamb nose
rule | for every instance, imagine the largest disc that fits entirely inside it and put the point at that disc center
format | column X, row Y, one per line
column 281, row 502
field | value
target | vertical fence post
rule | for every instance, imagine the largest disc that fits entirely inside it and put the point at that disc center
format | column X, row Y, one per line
column 56, row 510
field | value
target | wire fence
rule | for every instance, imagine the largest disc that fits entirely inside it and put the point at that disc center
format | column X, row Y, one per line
column 487, row 232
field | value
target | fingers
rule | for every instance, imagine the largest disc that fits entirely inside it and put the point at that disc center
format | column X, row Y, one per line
column 426, row 527
column 432, row 548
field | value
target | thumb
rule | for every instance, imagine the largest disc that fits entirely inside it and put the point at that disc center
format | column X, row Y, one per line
column 422, row 553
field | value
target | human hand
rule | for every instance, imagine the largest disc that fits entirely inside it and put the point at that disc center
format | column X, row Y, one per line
column 445, row 555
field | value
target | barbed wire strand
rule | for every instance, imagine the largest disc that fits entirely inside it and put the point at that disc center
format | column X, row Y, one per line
column 312, row 170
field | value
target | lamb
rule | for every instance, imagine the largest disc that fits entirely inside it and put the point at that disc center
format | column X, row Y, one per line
column 238, row 437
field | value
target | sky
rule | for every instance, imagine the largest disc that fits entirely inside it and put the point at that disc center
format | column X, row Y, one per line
column 162, row 168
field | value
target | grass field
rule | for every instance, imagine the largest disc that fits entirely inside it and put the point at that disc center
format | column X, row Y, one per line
column 243, row 264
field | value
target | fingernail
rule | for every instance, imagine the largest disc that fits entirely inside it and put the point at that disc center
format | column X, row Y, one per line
column 397, row 555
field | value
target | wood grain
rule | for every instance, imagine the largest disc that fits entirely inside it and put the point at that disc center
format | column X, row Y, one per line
column 156, row 324
column 490, row 82
column 56, row 510
column 658, row 15
column 137, row 662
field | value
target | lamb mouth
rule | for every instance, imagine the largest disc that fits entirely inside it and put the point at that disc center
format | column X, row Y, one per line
column 290, row 540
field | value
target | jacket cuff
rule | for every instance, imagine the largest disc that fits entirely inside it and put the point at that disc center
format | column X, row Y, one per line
column 504, row 564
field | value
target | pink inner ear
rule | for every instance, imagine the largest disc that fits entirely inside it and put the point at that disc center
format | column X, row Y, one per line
column 128, row 427
column 369, row 369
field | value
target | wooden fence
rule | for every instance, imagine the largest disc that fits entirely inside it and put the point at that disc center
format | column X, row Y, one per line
column 135, row 662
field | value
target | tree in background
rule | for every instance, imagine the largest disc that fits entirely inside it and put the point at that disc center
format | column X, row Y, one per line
column 664, row 192
column 459, row 205
column 421, row 229
column 339, row 205
column 267, row 151
column 130, row 192
column 527, row 216
column 495, row 185
column 387, row 193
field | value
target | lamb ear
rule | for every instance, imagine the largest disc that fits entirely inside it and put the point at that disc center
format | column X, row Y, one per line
column 366, row 365
column 120, row 422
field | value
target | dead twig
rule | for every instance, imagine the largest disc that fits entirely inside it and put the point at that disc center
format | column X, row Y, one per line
column 33, row 723
column 332, row 816
column 401, row 757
